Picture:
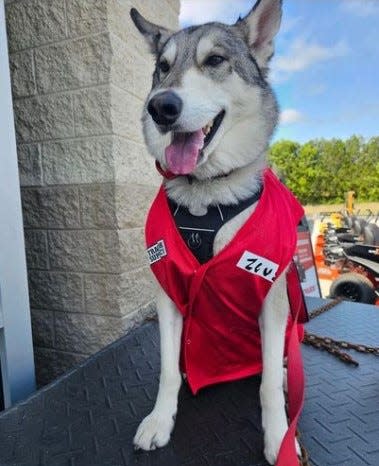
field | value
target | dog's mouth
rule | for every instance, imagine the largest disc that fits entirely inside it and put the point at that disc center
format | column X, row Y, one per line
column 211, row 128
column 186, row 149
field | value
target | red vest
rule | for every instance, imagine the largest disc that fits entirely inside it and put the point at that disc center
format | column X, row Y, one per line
column 221, row 300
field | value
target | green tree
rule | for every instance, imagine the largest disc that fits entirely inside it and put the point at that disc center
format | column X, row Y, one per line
column 322, row 171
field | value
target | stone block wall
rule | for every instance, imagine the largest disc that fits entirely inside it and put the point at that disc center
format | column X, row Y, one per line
column 80, row 72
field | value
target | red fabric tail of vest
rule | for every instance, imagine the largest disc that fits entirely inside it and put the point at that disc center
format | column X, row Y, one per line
column 287, row 454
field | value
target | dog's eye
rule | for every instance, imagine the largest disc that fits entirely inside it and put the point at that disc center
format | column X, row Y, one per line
column 164, row 66
column 214, row 60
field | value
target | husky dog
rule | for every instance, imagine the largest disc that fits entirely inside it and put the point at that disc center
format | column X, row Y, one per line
column 210, row 114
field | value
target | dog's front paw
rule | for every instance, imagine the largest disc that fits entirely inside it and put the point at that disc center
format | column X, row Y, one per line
column 153, row 432
column 272, row 441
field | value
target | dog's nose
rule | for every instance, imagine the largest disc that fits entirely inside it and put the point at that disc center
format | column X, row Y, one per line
column 165, row 107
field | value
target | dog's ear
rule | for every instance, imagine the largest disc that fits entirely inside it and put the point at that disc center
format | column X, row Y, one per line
column 260, row 26
column 154, row 35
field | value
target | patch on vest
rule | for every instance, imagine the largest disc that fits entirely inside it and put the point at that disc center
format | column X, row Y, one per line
column 258, row 265
column 157, row 251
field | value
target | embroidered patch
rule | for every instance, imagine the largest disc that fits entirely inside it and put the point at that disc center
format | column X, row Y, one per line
column 258, row 265
column 157, row 251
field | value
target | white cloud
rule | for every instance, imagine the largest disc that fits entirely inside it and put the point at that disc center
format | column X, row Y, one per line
column 301, row 55
column 290, row 116
column 361, row 7
column 203, row 11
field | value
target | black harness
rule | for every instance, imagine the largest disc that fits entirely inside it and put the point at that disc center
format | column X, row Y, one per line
column 199, row 232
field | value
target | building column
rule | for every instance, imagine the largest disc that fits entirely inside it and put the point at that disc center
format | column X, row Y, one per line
column 80, row 73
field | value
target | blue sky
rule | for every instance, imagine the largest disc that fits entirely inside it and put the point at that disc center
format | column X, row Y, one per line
column 326, row 67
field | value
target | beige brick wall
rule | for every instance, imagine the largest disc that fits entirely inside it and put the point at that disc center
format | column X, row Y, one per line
column 80, row 72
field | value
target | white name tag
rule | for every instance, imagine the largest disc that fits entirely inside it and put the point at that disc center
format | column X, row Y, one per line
column 157, row 251
column 258, row 265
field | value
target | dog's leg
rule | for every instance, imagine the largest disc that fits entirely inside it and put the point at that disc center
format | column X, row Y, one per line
column 273, row 322
column 155, row 430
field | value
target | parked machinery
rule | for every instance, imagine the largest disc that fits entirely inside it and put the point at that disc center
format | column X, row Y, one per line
column 353, row 250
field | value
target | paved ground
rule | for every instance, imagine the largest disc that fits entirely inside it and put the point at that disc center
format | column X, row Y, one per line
column 88, row 417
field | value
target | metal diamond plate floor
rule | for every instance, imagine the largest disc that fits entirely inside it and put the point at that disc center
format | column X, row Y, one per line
column 89, row 416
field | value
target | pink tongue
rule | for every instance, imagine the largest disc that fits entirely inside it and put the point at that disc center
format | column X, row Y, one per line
column 183, row 152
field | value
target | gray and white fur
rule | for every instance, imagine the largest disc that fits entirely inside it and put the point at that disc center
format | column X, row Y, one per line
column 237, row 85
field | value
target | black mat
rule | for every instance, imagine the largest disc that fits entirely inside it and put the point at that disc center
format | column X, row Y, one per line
column 89, row 417
column 340, row 420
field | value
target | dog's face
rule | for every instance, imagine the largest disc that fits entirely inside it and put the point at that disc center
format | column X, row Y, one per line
column 211, row 109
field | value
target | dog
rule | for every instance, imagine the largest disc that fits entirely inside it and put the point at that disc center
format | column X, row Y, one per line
column 207, row 122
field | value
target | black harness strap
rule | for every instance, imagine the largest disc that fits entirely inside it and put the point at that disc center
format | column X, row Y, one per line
column 199, row 232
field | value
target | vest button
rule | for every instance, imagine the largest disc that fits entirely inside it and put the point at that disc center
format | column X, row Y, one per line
column 188, row 341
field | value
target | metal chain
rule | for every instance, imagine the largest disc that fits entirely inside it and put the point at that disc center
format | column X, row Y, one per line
column 333, row 347
column 357, row 347
column 304, row 456
column 324, row 308
column 304, row 460
column 327, row 344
